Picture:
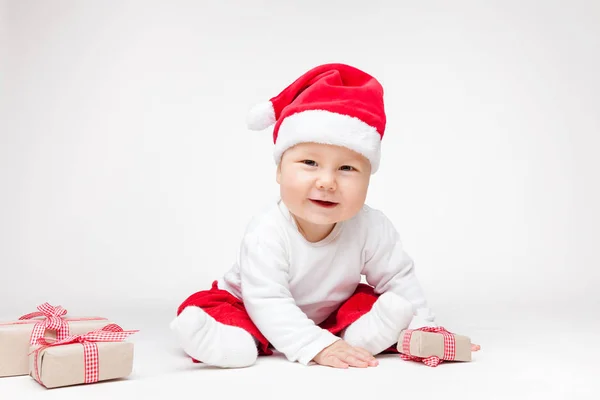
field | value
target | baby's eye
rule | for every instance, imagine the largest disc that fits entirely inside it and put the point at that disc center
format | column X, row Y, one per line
column 309, row 162
column 348, row 168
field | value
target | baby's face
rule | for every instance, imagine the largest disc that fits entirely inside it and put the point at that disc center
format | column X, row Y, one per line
column 323, row 184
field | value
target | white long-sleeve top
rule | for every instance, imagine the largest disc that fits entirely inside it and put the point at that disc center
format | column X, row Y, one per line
column 289, row 285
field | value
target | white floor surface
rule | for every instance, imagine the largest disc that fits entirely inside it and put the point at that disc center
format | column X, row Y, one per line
column 537, row 357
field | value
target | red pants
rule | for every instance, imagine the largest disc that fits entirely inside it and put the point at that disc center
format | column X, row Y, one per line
column 227, row 309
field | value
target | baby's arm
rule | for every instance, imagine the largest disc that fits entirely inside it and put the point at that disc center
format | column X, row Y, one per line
column 270, row 305
column 388, row 268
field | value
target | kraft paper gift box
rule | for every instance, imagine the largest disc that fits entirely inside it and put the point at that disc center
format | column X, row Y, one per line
column 100, row 355
column 16, row 337
column 431, row 343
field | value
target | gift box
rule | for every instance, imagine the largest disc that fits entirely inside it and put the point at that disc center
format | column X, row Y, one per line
column 433, row 345
column 99, row 355
column 16, row 337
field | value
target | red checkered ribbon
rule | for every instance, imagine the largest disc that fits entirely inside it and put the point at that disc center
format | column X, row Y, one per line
column 53, row 321
column 109, row 333
column 432, row 361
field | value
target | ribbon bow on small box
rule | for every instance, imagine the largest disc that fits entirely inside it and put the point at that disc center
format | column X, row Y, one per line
column 433, row 345
column 110, row 333
column 17, row 336
column 53, row 321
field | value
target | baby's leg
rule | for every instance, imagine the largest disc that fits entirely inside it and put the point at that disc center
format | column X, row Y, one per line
column 212, row 342
column 380, row 328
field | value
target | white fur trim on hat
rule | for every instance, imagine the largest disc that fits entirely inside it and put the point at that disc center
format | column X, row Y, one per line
column 261, row 116
column 326, row 127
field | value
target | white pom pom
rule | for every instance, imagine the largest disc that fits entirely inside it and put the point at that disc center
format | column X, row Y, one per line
column 261, row 116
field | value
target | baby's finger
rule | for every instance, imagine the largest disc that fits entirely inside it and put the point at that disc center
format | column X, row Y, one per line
column 367, row 356
column 354, row 361
column 335, row 362
column 475, row 347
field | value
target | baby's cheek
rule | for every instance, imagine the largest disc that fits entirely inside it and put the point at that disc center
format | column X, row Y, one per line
column 292, row 198
column 354, row 201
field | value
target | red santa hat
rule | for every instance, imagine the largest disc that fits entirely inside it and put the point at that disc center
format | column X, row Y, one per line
column 334, row 104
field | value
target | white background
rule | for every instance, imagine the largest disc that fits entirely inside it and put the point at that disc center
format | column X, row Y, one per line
column 127, row 174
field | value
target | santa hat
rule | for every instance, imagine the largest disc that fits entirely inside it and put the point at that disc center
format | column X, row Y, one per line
column 334, row 104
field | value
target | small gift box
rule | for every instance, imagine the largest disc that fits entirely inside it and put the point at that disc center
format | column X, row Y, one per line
column 433, row 345
column 16, row 337
column 100, row 355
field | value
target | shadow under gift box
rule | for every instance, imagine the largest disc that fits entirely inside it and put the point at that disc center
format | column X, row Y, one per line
column 65, row 365
column 15, row 340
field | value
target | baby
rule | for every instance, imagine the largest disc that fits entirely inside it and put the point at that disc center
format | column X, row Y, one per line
column 296, row 284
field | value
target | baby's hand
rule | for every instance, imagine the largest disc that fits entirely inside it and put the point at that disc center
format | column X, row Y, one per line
column 341, row 355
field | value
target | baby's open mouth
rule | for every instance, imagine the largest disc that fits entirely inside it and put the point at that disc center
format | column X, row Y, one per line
column 323, row 203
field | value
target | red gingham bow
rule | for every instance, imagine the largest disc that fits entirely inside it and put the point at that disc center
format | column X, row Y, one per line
column 109, row 333
column 432, row 361
column 53, row 321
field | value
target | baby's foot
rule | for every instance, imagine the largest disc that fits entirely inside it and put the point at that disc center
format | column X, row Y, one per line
column 380, row 328
column 212, row 342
